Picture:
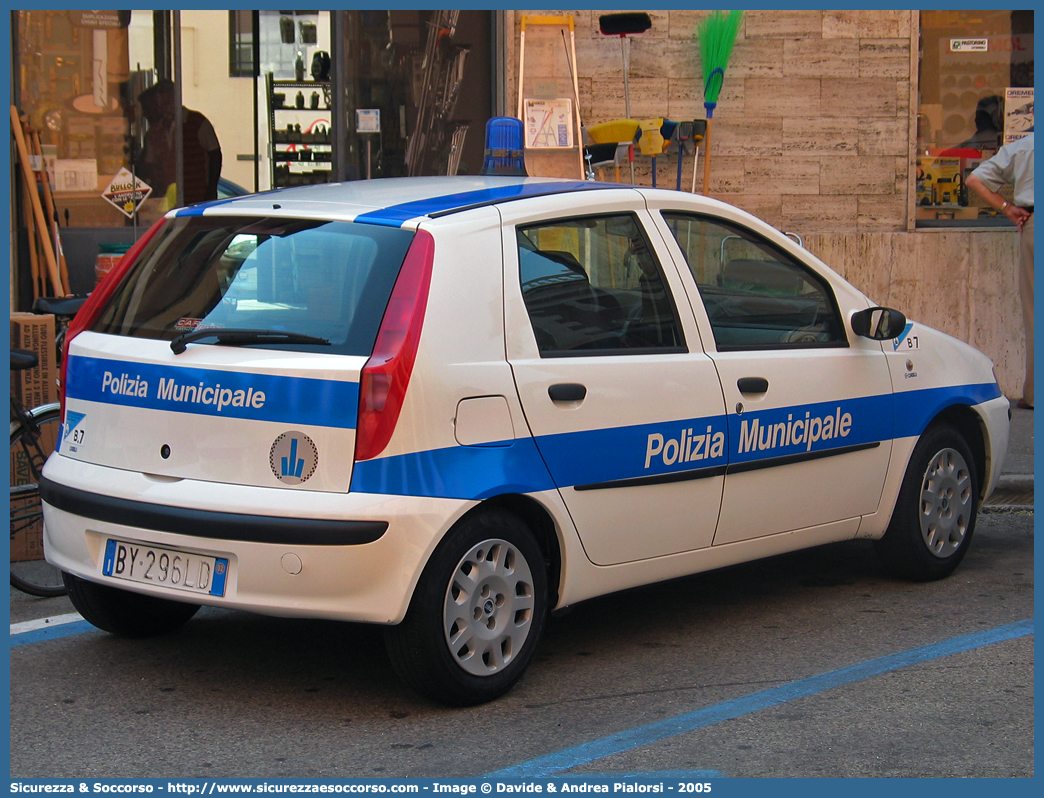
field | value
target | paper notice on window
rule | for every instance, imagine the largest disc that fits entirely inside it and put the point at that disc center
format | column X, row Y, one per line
column 76, row 174
column 969, row 45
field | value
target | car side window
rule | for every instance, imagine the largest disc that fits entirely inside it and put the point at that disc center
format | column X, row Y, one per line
column 593, row 286
column 756, row 296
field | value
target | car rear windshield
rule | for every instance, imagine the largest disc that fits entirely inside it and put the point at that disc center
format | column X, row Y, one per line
column 326, row 279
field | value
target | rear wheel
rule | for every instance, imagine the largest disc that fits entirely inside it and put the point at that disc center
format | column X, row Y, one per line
column 124, row 613
column 935, row 513
column 476, row 615
column 30, row 572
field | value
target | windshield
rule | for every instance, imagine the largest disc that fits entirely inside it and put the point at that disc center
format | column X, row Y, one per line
column 330, row 280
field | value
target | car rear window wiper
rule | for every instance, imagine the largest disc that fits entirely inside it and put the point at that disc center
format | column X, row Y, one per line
column 240, row 337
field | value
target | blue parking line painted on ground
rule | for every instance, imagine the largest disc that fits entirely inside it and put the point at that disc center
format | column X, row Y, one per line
column 51, row 633
column 554, row 764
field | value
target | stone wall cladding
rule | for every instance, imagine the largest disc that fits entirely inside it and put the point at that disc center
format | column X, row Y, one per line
column 964, row 283
column 814, row 102
column 812, row 133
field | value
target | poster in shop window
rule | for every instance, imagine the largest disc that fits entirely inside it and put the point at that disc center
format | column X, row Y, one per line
column 1018, row 113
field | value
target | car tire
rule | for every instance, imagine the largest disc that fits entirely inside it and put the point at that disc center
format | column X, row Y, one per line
column 476, row 615
column 934, row 517
column 124, row 613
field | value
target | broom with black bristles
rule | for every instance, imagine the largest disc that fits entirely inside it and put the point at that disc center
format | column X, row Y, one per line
column 715, row 36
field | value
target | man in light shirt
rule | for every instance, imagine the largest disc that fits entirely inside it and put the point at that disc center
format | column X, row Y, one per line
column 1013, row 165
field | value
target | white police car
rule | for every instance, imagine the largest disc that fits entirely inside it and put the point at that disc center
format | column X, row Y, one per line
column 451, row 405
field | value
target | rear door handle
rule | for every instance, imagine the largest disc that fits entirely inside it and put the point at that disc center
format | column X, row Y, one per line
column 567, row 392
column 752, row 384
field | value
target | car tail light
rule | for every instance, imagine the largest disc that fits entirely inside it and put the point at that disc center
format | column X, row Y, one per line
column 97, row 300
column 382, row 385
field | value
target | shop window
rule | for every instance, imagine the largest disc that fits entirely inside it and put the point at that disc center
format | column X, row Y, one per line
column 976, row 94
column 241, row 44
column 427, row 75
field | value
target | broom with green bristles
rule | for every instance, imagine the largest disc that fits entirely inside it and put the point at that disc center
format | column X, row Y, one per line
column 715, row 36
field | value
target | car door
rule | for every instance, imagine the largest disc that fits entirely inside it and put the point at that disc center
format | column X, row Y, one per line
column 623, row 404
column 809, row 404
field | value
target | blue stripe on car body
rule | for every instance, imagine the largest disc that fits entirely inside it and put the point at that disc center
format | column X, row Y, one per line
column 565, row 460
column 524, row 465
column 257, row 397
column 396, row 215
column 914, row 410
column 201, row 207
column 457, row 472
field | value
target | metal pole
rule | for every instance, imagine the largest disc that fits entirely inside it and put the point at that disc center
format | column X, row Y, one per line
column 338, row 110
column 179, row 132
column 255, row 45
column 625, row 52
column 625, row 49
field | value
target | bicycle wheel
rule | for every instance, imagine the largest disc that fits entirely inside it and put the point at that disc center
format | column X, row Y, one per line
column 30, row 573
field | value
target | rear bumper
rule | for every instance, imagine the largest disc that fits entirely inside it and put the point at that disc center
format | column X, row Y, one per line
column 209, row 523
column 354, row 557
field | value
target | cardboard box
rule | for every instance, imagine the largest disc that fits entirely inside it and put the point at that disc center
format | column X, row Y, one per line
column 26, row 518
column 26, row 538
column 36, row 386
column 33, row 387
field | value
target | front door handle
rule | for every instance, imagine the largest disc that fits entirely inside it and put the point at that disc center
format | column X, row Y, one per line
column 567, row 392
column 752, row 384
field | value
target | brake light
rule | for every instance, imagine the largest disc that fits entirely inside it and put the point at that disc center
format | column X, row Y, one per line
column 382, row 386
column 97, row 300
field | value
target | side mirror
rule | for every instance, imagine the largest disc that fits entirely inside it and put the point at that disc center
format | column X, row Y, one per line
column 878, row 324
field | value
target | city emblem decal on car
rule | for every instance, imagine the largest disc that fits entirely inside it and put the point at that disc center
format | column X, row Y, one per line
column 911, row 340
column 293, row 458
column 71, row 432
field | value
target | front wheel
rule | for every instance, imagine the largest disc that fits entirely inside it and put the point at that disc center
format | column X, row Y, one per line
column 935, row 513
column 476, row 615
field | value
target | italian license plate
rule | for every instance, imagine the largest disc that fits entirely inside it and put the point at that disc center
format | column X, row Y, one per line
column 152, row 565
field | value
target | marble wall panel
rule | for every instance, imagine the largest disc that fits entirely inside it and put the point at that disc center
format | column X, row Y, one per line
column 790, row 175
column 810, row 213
column 857, row 175
column 859, row 97
column 795, row 24
column 820, row 136
column 821, row 58
column 789, row 97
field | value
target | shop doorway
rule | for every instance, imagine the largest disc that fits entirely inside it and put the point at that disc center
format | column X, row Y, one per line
column 427, row 76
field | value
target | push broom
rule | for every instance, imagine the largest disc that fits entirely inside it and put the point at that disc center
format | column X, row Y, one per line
column 623, row 25
column 715, row 36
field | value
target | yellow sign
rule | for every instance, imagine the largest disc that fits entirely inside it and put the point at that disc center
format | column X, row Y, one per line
column 127, row 192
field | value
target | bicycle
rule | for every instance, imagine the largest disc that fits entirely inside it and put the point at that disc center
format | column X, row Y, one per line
column 63, row 309
column 34, row 434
